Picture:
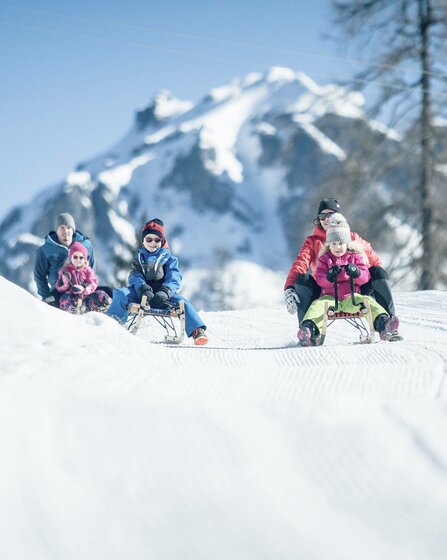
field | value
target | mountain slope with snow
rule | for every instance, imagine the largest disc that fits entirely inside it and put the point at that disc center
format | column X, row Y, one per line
column 235, row 176
column 115, row 446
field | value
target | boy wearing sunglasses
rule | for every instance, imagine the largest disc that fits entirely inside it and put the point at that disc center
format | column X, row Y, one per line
column 155, row 274
column 77, row 280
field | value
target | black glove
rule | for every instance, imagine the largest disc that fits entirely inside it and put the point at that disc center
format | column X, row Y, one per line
column 146, row 290
column 77, row 289
column 352, row 270
column 161, row 297
column 333, row 272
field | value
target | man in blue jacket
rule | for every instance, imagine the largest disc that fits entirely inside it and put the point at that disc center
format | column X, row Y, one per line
column 51, row 256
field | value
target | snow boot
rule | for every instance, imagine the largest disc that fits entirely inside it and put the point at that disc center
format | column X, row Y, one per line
column 395, row 337
column 307, row 333
column 304, row 336
column 98, row 301
column 389, row 328
column 199, row 336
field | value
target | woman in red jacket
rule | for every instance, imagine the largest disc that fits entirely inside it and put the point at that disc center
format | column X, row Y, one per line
column 345, row 262
column 301, row 289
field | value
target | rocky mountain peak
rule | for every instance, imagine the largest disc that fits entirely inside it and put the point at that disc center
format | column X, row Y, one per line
column 162, row 107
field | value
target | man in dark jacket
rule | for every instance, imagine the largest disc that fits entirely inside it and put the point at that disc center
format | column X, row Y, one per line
column 51, row 256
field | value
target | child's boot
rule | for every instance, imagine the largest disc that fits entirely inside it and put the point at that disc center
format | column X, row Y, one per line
column 306, row 332
column 199, row 337
column 387, row 327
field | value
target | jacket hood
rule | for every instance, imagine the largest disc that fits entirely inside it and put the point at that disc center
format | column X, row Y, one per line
column 160, row 251
column 52, row 238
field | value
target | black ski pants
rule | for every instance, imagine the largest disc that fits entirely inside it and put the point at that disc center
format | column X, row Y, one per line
column 379, row 288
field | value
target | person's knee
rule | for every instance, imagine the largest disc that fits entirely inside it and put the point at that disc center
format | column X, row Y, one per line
column 120, row 297
column 107, row 289
column 304, row 280
column 306, row 284
column 118, row 294
column 378, row 273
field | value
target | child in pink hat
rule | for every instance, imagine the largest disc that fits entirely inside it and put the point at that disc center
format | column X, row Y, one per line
column 77, row 281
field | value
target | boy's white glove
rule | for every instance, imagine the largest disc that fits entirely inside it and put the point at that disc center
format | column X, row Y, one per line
column 292, row 300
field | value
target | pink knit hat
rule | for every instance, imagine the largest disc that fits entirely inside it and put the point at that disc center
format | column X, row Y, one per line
column 77, row 247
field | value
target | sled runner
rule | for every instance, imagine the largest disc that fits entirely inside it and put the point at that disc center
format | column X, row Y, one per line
column 362, row 320
column 79, row 310
column 164, row 317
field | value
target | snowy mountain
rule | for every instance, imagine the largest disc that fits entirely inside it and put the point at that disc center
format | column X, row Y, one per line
column 115, row 446
column 236, row 177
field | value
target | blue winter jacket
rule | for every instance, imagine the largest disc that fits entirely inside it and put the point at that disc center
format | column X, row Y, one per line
column 51, row 257
column 155, row 269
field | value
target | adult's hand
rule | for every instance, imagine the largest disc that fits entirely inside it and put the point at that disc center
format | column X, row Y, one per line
column 292, row 300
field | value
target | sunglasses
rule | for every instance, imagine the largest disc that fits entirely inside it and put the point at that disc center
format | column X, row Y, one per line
column 152, row 239
column 76, row 257
column 325, row 216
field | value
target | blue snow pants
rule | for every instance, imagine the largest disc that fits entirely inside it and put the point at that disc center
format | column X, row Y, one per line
column 123, row 296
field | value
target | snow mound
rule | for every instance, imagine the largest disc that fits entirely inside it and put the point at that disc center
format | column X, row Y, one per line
column 116, row 446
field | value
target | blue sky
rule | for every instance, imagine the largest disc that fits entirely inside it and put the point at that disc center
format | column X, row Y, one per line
column 73, row 73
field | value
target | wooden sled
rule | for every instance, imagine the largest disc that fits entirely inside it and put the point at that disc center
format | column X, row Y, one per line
column 79, row 307
column 164, row 317
column 362, row 321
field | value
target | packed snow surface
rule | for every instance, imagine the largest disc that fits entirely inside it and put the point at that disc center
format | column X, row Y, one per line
column 116, row 446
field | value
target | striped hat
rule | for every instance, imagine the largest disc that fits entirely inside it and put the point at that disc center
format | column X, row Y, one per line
column 156, row 227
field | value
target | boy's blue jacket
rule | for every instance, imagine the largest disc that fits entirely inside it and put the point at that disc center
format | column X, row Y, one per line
column 155, row 269
column 51, row 257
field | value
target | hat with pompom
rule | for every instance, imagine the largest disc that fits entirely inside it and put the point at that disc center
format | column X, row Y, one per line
column 77, row 247
column 155, row 226
column 338, row 230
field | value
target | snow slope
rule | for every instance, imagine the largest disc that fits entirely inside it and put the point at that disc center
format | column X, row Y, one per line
column 114, row 446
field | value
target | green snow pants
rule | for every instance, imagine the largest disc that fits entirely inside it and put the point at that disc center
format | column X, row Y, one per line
column 316, row 310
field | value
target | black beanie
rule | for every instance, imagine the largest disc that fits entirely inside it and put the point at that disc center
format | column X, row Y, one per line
column 329, row 204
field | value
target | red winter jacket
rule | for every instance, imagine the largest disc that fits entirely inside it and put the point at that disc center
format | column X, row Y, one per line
column 344, row 289
column 83, row 276
column 311, row 248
